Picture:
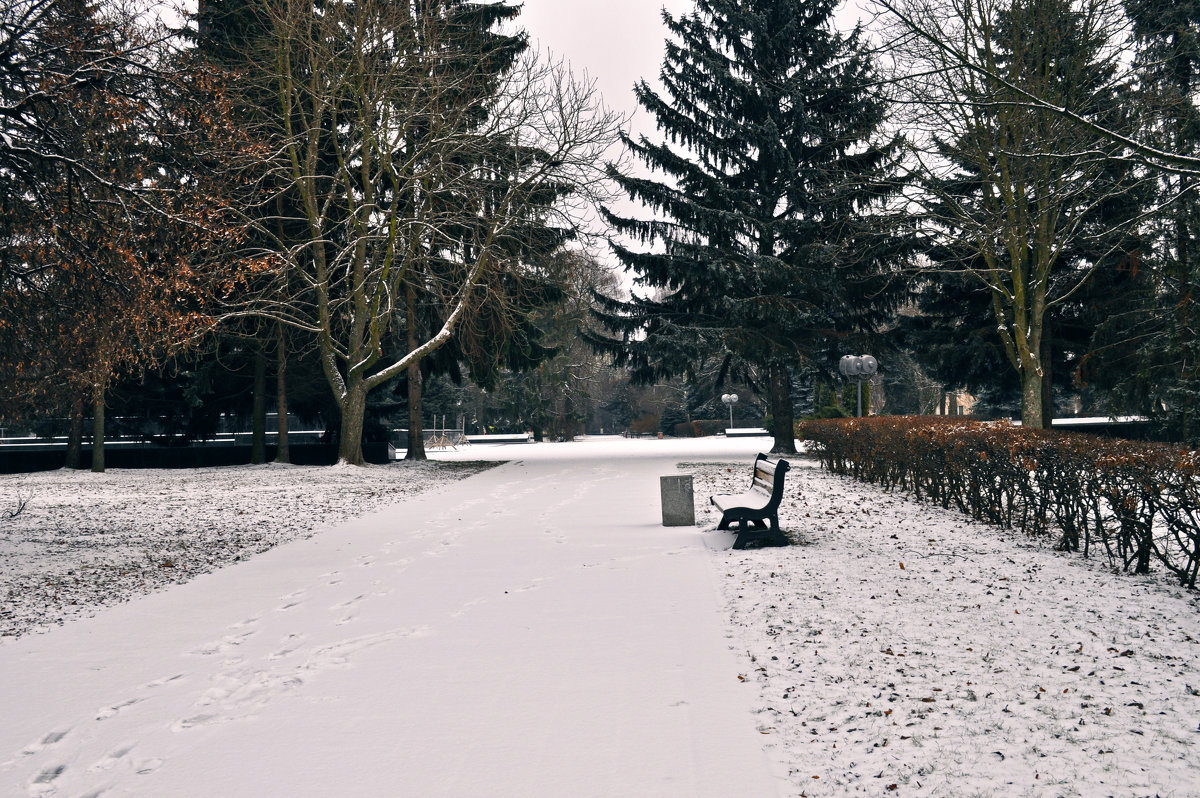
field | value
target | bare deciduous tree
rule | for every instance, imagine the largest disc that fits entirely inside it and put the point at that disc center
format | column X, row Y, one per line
column 414, row 161
column 940, row 30
column 1011, row 187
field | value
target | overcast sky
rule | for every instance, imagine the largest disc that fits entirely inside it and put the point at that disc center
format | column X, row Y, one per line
column 617, row 42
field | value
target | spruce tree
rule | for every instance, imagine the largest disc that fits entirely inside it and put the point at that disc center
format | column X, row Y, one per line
column 762, row 250
column 1148, row 355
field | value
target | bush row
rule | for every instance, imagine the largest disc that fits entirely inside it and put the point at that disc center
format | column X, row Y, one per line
column 700, row 429
column 1137, row 503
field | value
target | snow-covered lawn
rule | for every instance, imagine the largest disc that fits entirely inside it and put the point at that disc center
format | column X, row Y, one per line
column 897, row 649
column 903, row 649
column 82, row 541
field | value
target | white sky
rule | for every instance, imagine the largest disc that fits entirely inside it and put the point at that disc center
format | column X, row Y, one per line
column 616, row 42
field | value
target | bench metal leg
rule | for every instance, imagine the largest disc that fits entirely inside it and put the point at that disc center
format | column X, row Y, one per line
column 776, row 533
column 751, row 531
column 742, row 538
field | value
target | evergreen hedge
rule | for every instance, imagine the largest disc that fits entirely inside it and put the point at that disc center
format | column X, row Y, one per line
column 1135, row 502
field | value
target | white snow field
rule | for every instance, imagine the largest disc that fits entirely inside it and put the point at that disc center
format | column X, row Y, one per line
column 533, row 630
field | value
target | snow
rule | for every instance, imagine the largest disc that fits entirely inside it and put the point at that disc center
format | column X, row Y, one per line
column 903, row 644
column 84, row 540
column 532, row 629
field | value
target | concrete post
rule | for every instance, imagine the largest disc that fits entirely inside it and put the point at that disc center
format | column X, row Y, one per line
column 678, row 506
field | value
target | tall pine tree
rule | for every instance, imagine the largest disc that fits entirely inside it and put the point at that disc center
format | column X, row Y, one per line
column 1148, row 355
column 762, row 249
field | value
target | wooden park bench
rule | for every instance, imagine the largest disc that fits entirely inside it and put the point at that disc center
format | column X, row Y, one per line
column 752, row 509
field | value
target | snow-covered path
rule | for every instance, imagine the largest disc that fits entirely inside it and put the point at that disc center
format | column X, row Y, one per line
column 532, row 630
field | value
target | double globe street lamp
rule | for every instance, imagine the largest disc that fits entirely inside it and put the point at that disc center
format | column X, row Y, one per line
column 858, row 366
column 730, row 399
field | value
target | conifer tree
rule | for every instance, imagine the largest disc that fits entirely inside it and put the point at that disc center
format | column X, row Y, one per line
column 1147, row 354
column 762, row 247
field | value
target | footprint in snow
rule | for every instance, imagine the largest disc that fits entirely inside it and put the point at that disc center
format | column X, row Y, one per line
column 194, row 722
column 104, row 713
column 110, row 759
column 224, row 645
column 43, row 782
column 49, row 739
column 345, row 605
column 166, row 680
column 290, row 643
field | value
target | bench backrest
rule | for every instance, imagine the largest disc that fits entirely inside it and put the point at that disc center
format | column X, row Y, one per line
column 769, row 476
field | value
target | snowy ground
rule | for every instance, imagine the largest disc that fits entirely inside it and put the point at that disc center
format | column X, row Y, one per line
column 81, row 541
column 898, row 649
column 901, row 648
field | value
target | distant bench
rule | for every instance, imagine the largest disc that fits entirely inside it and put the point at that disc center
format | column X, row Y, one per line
column 746, row 432
column 521, row 437
column 756, row 506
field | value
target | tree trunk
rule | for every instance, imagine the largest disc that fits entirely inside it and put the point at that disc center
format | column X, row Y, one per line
column 75, row 435
column 282, row 455
column 354, row 411
column 258, row 434
column 416, row 433
column 98, row 428
column 1047, row 382
column 1031, row 399
column 779, row 397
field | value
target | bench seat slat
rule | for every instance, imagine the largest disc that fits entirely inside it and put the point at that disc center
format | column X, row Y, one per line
column 755, row 500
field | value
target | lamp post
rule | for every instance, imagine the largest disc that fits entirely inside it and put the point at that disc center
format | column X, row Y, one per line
column 858, row 366
column 730, row 399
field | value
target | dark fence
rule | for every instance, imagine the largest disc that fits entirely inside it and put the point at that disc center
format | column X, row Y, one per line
column 1134, row 502
column 16, row 459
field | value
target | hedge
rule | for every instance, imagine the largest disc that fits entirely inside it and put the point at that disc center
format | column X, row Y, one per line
column 700, row 429
column 1135, row 502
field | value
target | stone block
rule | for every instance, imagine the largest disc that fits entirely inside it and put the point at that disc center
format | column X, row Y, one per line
column 678, row 505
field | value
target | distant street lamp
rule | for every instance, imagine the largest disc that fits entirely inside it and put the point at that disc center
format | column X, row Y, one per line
column 858, row 366
column 730, row 399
